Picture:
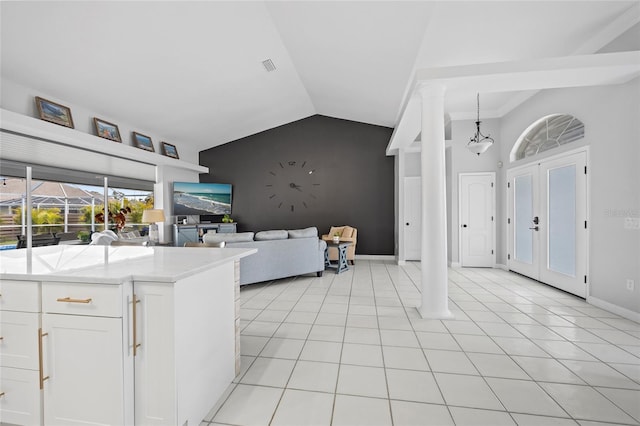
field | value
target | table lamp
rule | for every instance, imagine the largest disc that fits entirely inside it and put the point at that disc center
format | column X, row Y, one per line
column 152, row 216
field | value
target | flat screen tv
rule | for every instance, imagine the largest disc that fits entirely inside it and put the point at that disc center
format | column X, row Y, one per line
column 192, row 198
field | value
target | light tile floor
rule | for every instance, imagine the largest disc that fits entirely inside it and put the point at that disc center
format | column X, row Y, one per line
column 351, row 349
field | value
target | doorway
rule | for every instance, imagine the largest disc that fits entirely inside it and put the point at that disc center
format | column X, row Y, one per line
column 476, row 217
column 412, row 218
column 547, row 221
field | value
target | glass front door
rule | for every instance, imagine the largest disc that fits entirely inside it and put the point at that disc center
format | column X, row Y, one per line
column 547, row 222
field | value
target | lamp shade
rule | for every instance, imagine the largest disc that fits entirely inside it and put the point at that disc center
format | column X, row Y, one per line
column 153, row 216
column 479, row 147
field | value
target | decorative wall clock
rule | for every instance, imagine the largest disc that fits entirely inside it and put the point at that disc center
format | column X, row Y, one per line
column 292, row 185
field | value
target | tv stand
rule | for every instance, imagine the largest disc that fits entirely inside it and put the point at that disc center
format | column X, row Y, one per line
column 194, row 232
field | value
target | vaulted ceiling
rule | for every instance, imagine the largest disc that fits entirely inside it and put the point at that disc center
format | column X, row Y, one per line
column 193, row 72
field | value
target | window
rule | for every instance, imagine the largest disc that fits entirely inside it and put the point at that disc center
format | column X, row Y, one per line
column 64, row 207
column 547, row 133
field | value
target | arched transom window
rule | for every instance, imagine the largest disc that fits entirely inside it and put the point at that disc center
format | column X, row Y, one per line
column 547, row 133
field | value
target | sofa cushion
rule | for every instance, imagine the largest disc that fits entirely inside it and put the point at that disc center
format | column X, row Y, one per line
column 227, row 237
column 304, row 233
column 277, row 234
column 347, row 232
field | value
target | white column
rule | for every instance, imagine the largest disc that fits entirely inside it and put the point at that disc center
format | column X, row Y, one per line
column 106, row 203
column 28, row 206
column 162, row 192
column 435, row 303
column 93, row 214
column 66, row 214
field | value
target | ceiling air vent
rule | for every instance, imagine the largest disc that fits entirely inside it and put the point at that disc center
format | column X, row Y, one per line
column 268, row 65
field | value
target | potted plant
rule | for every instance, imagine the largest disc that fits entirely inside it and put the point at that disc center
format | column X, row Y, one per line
column 118, row 217
column 226, row 219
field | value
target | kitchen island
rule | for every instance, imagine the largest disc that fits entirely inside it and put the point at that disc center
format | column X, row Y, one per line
column 117, row 335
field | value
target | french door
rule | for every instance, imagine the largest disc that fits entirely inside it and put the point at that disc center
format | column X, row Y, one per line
column 547, row 221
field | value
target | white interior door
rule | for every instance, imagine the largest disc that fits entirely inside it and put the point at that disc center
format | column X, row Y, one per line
column 412, row 218
column 548, row 219
column 477, row 206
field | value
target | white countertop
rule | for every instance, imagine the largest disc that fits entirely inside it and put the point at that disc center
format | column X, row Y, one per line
column 107, row 264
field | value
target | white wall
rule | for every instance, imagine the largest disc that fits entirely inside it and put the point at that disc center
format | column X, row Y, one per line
column 17, row 98
column 464, row 161
column 611, row 115
column 20, row 99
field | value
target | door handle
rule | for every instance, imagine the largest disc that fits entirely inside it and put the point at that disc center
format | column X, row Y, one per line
column 464, row 226
column 41, row 358
column 407, row 223
column 136, row 345
column 536, row 220
column 535, row 228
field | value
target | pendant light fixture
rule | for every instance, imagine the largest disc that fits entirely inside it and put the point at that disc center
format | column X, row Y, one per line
column 479, row 143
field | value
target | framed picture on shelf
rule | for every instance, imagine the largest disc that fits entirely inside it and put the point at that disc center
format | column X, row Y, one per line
column 143, row 142
column 169, row 150
column 54, row 113
column 107, row 130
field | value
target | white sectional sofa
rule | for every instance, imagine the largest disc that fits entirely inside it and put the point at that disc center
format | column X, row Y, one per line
column 280, row 254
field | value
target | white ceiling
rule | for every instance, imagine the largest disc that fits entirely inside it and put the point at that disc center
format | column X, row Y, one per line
column 192, row 71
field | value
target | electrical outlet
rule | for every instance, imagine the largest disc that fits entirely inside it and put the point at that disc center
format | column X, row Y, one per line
column 632, row 223
column 630, row 285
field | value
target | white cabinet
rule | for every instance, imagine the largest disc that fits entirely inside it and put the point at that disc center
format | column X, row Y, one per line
column 111, row 347
column 20, row 395
column 84, row 363
column 86, row 355
column 186, row 358
column 21, row 402
column 154, row 360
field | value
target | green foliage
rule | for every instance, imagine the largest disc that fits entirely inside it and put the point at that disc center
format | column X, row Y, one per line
column 45, row 216
column 135, row 216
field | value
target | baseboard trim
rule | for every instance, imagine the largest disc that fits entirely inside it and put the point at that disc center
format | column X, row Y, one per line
column 401, row 262
column 454, row 265
column 618, row 310
column 375, row 257
column 501, row 266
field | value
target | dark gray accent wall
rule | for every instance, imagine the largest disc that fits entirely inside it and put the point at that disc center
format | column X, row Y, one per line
column 351, row 179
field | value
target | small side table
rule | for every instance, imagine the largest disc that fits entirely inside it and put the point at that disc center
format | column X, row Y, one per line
column 342, row 264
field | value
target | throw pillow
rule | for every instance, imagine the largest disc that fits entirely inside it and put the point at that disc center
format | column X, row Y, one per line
column 304, row 233
column 279, row 234
column 347, row 232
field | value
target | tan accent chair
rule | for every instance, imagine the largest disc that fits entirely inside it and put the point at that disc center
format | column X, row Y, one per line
column 347, row 233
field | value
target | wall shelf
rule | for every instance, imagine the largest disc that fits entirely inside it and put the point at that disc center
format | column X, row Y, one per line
column 52, row 133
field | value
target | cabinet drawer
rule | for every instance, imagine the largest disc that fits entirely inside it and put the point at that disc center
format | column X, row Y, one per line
column 82, row 299
column 21, row 403
column 19, row 343
column 19, row 296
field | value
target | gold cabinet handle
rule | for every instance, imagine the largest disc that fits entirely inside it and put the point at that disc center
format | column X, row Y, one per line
column 136, row 345
column 1, row 394
column 41, row 358
column 70, row 300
